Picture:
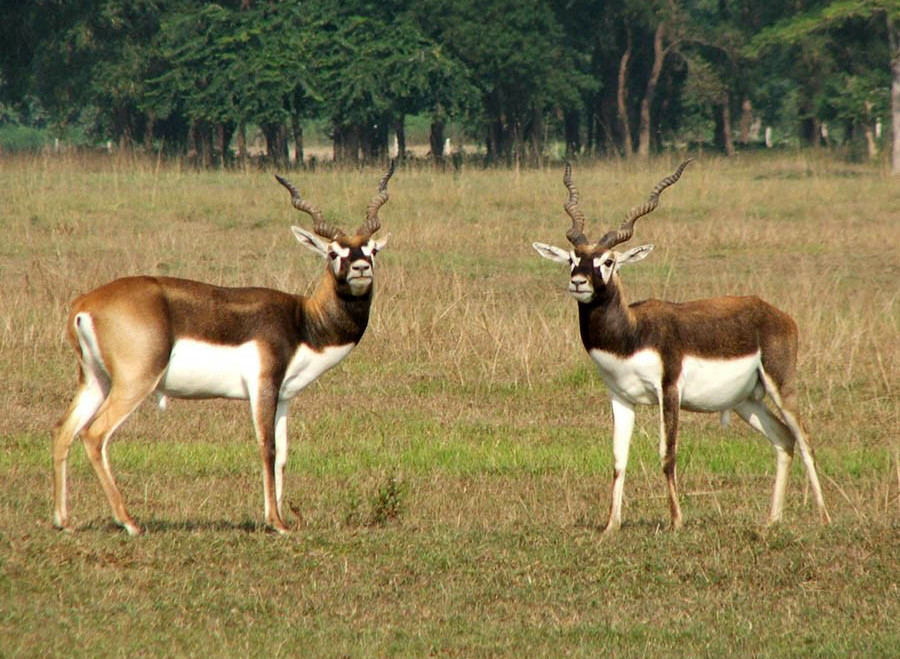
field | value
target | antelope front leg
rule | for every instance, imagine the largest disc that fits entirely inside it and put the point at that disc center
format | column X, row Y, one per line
column 670, row 406
column 264, row 412
column 281, row 452
column 623, row 424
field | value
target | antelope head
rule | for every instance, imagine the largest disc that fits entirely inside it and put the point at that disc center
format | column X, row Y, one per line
column 594, row 265
column 351, row 257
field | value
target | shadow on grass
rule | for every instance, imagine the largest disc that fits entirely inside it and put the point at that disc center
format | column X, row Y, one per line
column 245, row 526
column 153, row 526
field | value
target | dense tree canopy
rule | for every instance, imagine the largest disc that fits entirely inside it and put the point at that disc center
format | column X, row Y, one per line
column 600, row 76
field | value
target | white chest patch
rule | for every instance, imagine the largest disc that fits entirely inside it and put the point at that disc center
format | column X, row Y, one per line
column 307, row 364
column 712, row 385
column 636, row 378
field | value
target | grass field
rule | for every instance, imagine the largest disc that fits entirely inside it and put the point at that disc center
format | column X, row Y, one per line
column 451, row 474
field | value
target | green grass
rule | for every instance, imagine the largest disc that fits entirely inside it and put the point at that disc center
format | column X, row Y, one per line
column 446, row 483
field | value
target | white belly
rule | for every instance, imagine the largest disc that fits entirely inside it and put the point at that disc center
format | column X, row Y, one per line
column 705, row 385
column 204, row 370
column 713, row 385
column 636, row 378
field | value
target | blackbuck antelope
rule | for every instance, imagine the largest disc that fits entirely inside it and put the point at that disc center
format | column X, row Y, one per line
column 713, row 355
column 186, row 339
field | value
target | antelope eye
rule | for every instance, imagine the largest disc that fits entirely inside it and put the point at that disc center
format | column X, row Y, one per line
column 608, row 263
column 332, row 255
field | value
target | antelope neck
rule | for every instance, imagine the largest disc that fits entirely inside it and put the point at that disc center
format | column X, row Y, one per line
column 336, row 319
column 607, row 323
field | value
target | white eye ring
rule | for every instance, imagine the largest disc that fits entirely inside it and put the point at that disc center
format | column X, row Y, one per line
column 337, row 251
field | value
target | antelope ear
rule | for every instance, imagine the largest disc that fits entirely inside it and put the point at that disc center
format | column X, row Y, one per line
column 311, row 241
column 634, row 254
column 378, row 245
column 553, row 253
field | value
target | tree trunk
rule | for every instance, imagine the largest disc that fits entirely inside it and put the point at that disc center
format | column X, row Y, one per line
column 242, row 142
column 276, row 143
column 436, row 141
column 622, row 98
column 809, row 124
column 746, row 121
column 894, row 36
column 659, row 56
column 297, row 131
column 192, row 141
column 347, row 142
column 123, row 128
column 400, row 132
column 537, row 136
column 205, row 138
column 571, row 121
column 605, row 124
column 220, row 146
column 148, row 131
column 375, row 141
column 518, row 143
column 727, row 143
column 871, row 143
column 490, row 142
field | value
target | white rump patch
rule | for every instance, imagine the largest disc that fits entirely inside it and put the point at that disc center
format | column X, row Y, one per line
column 92, row 360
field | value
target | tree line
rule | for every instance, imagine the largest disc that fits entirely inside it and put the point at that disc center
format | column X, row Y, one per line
column 626, row 77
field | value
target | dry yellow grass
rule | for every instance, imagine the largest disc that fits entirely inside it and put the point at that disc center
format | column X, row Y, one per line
column 471, row 385
column 461, row 295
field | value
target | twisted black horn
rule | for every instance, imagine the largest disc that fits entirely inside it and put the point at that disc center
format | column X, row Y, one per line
column 319, row 225
column 626, row 229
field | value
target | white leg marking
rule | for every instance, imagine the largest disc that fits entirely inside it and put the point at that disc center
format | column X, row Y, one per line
column 258, row 431
column 623, row 418
column 802, row 442
column 758, row 416
column 86, row 405
column 281, row 451
column 82, row 409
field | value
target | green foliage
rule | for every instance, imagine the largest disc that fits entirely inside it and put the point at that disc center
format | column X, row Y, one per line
column 855, row 99
column 820, row 17
column 14, row 137
column 514, row 73
column 229, row 65
column 516, row 52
